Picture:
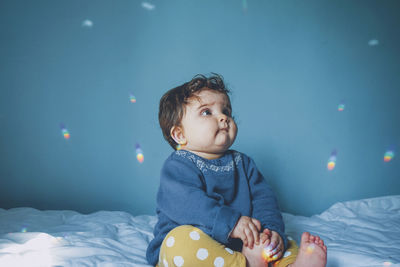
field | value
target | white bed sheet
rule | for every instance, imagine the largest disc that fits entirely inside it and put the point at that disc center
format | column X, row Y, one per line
column 357, row 233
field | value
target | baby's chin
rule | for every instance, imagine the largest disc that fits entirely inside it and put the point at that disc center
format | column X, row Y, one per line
column 224, row 142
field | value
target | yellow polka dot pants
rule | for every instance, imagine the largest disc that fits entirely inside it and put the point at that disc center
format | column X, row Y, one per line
column 189, row 246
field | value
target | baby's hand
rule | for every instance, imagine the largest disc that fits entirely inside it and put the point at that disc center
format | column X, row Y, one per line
column 265, row 236
column 274, row 244
column 247, row 230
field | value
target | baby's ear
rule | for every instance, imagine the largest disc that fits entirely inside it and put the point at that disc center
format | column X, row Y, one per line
column 177, row 135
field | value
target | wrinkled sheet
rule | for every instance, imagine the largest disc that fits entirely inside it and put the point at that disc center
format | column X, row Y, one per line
column 358, row 233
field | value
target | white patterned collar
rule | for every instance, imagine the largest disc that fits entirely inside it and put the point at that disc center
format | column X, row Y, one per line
column 224, row 164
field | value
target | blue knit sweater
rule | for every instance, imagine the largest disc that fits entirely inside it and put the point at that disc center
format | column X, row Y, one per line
column 212, row 195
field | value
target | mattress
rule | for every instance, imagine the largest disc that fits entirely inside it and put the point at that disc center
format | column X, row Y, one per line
column 357, row 233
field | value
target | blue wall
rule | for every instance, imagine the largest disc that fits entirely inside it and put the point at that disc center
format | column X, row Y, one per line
column 289, row 64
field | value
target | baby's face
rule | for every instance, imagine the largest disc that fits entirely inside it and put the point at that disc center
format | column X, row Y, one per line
column 207, row 124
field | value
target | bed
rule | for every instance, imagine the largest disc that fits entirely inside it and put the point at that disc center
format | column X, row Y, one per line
column 358, row 233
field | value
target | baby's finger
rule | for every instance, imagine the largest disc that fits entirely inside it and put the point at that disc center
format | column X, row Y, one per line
column 267, row 232
column 270, row 249
column 274, row 240
column 250, row 238
column 257, row 223
column 264, row 239
column 278, row 249
column 256, row 235
column 277, row 255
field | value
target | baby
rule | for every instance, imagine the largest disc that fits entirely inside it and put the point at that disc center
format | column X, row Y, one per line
column 214, row 207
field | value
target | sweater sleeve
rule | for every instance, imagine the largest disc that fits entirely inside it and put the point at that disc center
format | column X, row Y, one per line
column 264, row 202
column 183, row 198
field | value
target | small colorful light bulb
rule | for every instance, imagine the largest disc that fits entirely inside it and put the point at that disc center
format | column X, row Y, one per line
column 341, row 106
column 139, row 154
column 178, row 147
column 64, row 131
column 24, row 230
column 332, row 161
column 331, row 165
column 132, row 98
column 388, row 155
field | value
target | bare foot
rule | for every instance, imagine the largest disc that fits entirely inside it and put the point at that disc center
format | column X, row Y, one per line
column 312, row 252
column 254, row 256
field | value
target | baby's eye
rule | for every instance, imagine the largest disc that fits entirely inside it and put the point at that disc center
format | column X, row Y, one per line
column 205, row 112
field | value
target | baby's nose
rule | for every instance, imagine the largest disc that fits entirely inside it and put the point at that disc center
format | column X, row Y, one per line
column 223, row 118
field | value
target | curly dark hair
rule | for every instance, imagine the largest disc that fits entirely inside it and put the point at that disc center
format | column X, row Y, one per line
column 172, row 103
